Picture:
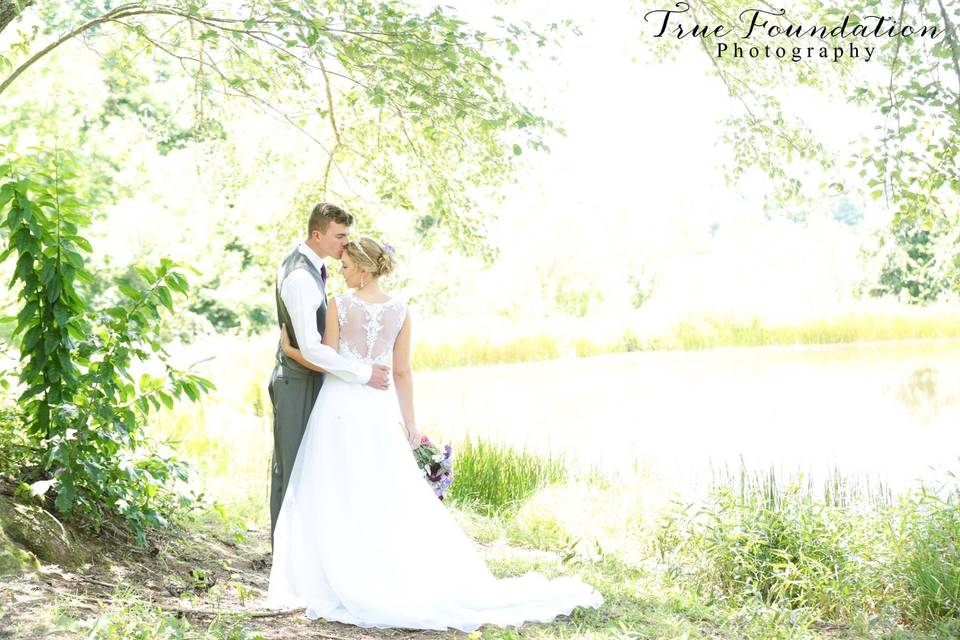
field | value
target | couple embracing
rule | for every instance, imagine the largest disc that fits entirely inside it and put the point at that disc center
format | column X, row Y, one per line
column 358, row 535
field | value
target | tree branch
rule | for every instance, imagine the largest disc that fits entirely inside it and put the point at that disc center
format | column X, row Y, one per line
column 122, row 11
column 333, row 125
column 951, row 35
column 754, row 121
column 895, row 110
column 10, row 9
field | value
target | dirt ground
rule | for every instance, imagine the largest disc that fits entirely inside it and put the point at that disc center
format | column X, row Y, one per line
column 197, row 576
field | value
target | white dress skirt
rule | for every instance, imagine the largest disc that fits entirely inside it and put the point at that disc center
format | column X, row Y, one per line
column 362, row 539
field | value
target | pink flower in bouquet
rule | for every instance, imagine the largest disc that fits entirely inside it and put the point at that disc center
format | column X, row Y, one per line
column 436, row 464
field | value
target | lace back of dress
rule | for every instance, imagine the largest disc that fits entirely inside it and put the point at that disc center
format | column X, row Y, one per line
column 368, row 330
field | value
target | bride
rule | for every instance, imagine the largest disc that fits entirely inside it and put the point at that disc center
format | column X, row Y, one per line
column 361, row 538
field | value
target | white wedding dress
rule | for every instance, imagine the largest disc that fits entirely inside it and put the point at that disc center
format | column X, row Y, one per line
column 362, row 539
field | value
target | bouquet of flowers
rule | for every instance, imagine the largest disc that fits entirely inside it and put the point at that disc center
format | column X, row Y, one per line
column 436, row 465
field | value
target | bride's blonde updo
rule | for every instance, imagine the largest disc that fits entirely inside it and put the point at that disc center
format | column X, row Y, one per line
column 369, row 254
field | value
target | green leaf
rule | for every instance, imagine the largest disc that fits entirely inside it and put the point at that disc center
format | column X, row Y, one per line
column 191, row 391
column 203, row 382
column 32, row 391
column 164, row 294
column 178, row 282
column 48, row 272
column 146, row 382
column 74, row 258
column 75, row 332
column 28, row 311
column 61, row 314
column 50, row 340
column 54, row 291
column 31, row 338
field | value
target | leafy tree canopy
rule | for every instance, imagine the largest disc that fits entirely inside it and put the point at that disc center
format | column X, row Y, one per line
column 402, row 108
column 910, row 161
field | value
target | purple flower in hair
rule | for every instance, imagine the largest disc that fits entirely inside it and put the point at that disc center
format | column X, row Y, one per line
column 388, row 248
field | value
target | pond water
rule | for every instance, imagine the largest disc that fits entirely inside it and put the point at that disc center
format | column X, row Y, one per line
column 887, row 411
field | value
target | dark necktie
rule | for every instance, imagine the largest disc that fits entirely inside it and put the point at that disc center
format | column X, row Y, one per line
column 323, row 274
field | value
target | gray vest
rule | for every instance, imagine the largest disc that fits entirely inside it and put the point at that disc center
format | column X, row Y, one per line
column 297, row 260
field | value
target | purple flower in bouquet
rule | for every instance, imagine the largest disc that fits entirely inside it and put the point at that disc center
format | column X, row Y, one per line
column 436, row 464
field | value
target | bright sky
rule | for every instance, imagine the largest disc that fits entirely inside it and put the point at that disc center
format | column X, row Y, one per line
column 638, row 179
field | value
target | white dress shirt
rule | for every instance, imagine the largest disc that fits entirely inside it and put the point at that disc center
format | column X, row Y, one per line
column 303, row 298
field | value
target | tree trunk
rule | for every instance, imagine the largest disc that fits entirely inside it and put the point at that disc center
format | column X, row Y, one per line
column 10, row 9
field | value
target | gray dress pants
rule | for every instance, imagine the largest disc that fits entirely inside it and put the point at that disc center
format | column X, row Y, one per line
column 293, row 394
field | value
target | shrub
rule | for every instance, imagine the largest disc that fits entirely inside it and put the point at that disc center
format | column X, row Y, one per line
column 83, row 415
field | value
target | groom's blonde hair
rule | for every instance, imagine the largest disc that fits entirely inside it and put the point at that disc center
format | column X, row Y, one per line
column 325, row 213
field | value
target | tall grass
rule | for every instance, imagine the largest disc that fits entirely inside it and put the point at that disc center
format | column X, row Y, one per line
column 872, row 323
column 840, row 552
column 493, row 478
column 851, row 327
column 929, row 564
column 835, row 490
column 475, row 351
column 758, row 538
column 793, row 551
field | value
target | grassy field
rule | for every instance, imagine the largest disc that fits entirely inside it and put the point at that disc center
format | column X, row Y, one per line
column 752, row 556
column 755, row 557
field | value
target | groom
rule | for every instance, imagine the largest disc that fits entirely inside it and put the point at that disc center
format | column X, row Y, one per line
column 302, row 306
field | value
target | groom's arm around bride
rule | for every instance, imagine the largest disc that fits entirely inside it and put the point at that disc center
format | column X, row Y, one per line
column 298, row 293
